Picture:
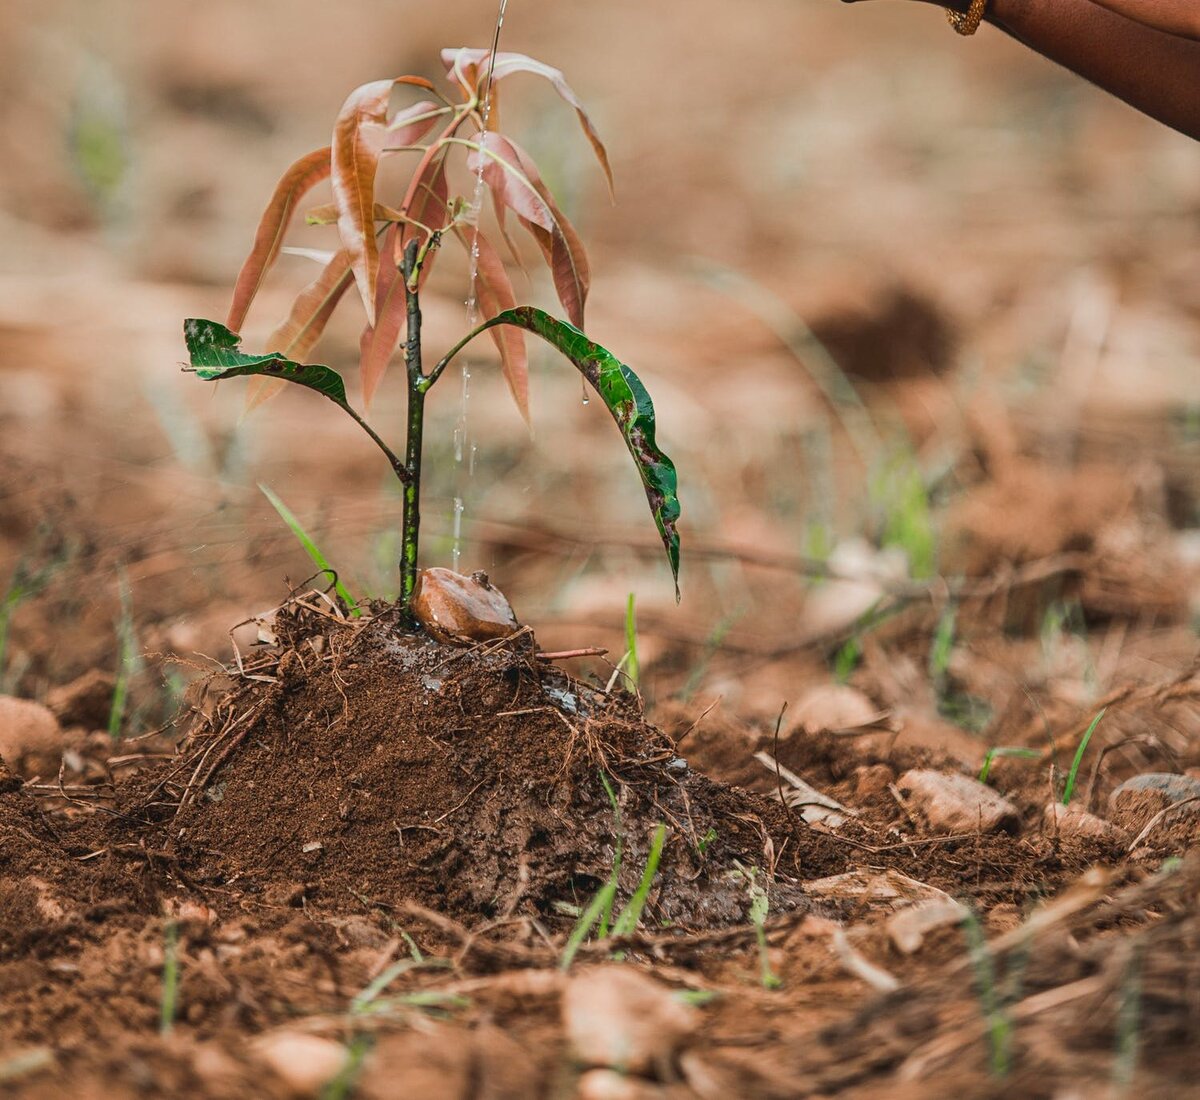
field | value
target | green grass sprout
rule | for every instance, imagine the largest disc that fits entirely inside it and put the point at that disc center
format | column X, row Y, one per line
column 995, row 1012
column 1069, row 789
column 168, row 1005
column 127, row 662
column 310, row 548
column 627, row 923
column 998, row 751
column 630, row 660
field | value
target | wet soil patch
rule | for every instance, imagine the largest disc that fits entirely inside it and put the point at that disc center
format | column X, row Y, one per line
column 372, row 766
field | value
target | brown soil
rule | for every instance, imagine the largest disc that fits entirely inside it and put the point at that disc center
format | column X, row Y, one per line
column 380, row 766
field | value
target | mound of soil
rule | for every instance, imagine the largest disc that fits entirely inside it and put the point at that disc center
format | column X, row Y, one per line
column 367, row 763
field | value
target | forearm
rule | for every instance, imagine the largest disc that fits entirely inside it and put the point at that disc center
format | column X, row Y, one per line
column 1156, row 72
column 1173, row 16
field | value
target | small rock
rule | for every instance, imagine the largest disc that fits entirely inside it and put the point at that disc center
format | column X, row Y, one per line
column 1175, row 788
column 1075, row 821
column 304, row 1063
column 834, row 707
column 608, row 1084
column 908, row 928
column 956, row 803
column 436, row 1065
column 85, row 701
column 30, row 738
column 618, row 1018
column 461, row 610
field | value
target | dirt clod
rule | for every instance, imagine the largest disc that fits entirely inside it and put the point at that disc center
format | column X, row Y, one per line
column 622, row 1020
column 956, row 803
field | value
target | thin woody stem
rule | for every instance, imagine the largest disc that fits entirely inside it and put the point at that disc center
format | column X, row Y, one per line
column 411, row 521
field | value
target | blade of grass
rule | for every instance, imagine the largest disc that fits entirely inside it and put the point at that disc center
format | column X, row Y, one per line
column 999, row 1023
column 1002, row 750
column 170, row 979
column 632, row 669
column 311, row 548
column 603, row 899
column 126, row 658
column 1069, row 789
column 631, row 915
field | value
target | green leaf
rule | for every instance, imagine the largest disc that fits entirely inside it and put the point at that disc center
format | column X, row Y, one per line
column 626, row 398
column 216, row 353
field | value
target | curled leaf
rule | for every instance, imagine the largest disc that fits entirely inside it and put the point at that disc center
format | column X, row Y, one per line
column 379, row 341
column 296, row 182
column 216, row 353
column 360, row 135
column 494, row 294
column 627, row 400
column 515, row 184
column 469, row 66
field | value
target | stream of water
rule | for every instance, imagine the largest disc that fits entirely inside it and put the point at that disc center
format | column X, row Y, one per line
column 464, row 447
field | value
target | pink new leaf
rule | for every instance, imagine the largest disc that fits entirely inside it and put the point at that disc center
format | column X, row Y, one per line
column 379, row 341
column 515, row 183
column 359, row 137
column 297, row 181
column 472, row 65
column 562, row 247
column 494, row 294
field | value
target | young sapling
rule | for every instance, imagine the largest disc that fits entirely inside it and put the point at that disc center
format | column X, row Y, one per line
column 387, row 252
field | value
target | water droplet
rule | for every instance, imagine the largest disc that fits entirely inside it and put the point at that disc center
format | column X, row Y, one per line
column 471, row 461
column 456, row 545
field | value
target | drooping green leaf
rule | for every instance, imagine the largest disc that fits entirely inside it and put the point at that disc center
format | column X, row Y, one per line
column 216, row 353
column 627, row 400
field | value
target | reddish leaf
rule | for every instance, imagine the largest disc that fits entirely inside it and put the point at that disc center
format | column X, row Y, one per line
column 297, row 181
column 500, row 165
column 561, row 246
column 471, row 65
column 379, row 341
column 298, row 335
column 430, row 207
column 494, row 294
column 359, row 137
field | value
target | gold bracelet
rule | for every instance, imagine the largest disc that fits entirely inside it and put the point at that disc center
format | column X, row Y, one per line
column 967, row 23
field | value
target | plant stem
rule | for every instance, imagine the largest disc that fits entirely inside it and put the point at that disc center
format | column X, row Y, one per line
column 417, row 386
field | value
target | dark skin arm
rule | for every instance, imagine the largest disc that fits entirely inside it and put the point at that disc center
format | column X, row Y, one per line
column 1145, row 52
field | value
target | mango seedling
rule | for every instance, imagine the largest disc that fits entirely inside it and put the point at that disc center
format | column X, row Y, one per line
column 387, row 252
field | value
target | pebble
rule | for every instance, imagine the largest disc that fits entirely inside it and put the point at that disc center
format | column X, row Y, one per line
column 957, row 803
column 460, row 610
column 608, row 1084
column 30, row 738
column 1075, row 821
column 1176, row 788
column 618, row 1018
column 304, row 1063
column 834, row 707
column 908, row 928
